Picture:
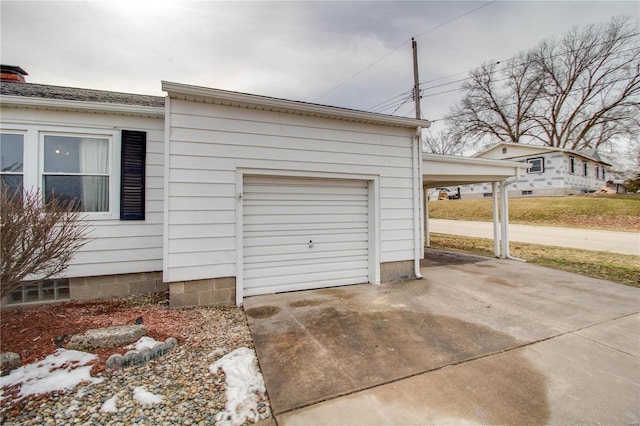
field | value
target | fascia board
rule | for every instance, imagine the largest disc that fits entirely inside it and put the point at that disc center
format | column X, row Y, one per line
column 473, row 160
column 224, row 97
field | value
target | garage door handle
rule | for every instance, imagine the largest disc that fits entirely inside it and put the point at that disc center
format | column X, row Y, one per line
column 310, row 244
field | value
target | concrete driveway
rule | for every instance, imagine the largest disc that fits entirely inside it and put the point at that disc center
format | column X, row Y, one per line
column 479, row 340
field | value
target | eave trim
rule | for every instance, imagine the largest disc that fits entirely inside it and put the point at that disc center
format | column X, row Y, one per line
column 245, row 100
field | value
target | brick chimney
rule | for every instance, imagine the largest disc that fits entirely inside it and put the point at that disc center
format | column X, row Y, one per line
column 12, row 73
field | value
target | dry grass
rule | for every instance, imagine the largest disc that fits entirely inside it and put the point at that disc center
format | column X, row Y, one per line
column 616, row 212
column 619, row 268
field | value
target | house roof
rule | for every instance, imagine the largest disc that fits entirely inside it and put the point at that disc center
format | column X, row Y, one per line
column 45, row 91
column 246, row 100
column 591, row 154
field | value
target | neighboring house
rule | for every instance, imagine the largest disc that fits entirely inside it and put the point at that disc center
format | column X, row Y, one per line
column 552, row 171
column 216, row 195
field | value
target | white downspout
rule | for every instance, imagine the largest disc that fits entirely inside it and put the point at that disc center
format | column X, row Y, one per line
column 496, row 235
column 425, row 197
column 418, row 247
column 505, row 219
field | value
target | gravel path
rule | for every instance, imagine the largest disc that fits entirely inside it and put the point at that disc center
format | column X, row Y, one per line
column 192, row 394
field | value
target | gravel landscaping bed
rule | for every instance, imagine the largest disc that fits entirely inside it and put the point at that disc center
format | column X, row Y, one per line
column 191, row 394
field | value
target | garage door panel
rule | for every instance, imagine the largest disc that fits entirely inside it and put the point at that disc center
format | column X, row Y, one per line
column 355, row 219
column 281, row 215
column 302, row 285
column 307, row 281
column 257, row 229
column 263, row 184
column 251, row 253
column 285, row 260
column 304, row 268
column 319, row 241
column 327, row 210
column 260, row 259
column 299, row 194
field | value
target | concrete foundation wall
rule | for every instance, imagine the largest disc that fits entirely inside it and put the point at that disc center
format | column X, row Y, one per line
column 207, row 292
column 107, row 286
column 392, row 271
column 554, row 192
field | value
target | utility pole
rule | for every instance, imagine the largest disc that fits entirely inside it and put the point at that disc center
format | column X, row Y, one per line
column 416, row 80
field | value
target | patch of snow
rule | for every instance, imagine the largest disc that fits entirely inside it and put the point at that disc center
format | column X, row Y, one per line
column 62, row 370
column 244, row 382
column 142, row 343
column 109, row 406
column 144, row 397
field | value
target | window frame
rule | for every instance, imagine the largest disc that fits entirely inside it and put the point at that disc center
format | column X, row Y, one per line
column 24, row 143
column 113, row 169
column 585, row 169
column 531, row 161
column 572, row 165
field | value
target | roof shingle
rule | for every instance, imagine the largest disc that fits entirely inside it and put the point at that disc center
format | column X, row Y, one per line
column 31, row 90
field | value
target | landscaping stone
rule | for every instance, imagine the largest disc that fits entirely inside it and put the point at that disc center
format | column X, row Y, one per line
column 8, row 361
column 107, row 337
column 142, row 356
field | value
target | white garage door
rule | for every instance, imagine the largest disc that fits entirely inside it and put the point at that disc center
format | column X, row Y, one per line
column 304, row 233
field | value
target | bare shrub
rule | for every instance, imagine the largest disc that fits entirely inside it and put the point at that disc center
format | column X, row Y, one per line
column 37, row 240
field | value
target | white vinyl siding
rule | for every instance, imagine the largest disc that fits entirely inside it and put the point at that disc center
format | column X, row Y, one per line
column 210, row 143
column 117, row 247
column 304, row 233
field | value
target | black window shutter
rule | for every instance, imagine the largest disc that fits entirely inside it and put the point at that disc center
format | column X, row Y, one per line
column 134, row 148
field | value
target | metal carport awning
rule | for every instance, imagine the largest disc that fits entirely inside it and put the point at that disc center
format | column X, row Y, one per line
column 449, row 170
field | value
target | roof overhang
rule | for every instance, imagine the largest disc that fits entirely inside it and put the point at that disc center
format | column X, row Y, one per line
column 80, row 106
column 449, row 170
column 245, row 100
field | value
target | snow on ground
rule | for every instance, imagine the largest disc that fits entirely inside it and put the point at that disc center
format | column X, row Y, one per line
column 109, row 406
column 62, row 370
column 244, row 381
column 143, row 343
column 144, row 397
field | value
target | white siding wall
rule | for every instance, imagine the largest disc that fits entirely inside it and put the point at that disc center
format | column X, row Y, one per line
column 556, row 179
column 208, row 143
column 118, row 247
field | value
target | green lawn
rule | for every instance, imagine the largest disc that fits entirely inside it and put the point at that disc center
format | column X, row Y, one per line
column 619, row 268
column 613, row 212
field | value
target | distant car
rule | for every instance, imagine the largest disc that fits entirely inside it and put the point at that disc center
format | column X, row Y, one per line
column 434, row 194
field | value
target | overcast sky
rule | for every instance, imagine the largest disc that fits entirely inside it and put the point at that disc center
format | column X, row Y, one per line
column 307, row 51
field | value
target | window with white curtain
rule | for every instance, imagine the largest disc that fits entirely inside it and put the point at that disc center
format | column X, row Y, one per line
column 77, row 168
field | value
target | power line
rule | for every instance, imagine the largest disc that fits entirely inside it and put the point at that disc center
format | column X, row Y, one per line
column 423, row 95
column 410, row 98
column 455, row 18
column 505, row 79
column 390, row 100
column 575, row 89
column 401, row 45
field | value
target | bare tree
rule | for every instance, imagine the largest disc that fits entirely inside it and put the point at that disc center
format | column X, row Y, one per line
column 444, row 143
column 37, row 241
column 499, row 101
column 575, row 92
